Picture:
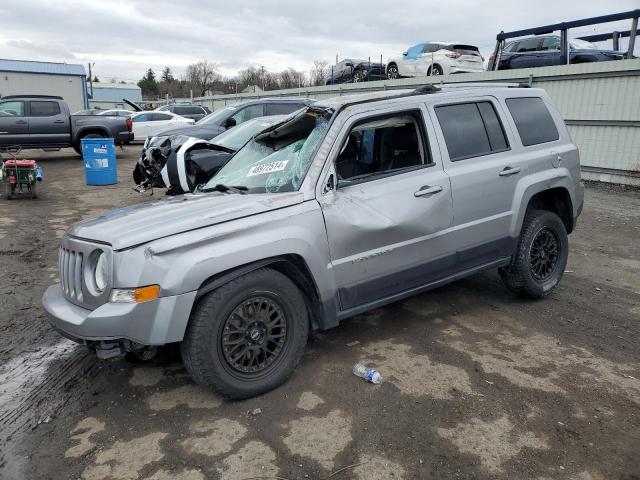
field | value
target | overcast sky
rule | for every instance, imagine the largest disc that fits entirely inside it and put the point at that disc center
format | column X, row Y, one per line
column 125, row 37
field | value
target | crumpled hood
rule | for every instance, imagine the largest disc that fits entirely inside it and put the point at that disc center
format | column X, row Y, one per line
column 205, row 132
column 136, row 225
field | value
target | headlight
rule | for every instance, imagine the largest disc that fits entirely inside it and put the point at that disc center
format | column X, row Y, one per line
column 101, row 273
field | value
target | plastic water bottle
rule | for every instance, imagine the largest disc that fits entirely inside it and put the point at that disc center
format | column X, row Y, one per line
column 39, row 174
column 369, row 374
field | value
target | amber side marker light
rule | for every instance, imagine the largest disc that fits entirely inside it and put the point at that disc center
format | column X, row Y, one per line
column 135, row 295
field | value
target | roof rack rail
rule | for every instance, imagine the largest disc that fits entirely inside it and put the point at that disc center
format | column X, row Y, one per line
column 55, row 97
column 424, row 89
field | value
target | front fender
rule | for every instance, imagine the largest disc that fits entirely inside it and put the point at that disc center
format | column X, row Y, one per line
column 182, row 263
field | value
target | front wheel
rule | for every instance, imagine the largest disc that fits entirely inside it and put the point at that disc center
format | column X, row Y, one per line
column 392, row 72
column 541, row 257
column 359, row 76
column 246, row 337
column 436, row 71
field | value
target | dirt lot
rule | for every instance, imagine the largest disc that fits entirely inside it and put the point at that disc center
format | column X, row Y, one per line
column 478, row 384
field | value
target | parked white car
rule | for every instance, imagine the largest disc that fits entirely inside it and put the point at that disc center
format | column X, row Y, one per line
column 117, row 112
column 435, row 58
column 149, row 124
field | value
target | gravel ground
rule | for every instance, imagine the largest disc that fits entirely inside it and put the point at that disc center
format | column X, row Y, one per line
column 478, row 384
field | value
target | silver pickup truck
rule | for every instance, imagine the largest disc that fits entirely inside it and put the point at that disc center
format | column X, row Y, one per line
column 43, row 121
column 350, row 204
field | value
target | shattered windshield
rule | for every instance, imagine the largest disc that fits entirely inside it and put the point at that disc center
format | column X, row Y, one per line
column 276, row 160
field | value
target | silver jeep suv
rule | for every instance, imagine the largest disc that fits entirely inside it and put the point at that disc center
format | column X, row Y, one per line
column 351, row 204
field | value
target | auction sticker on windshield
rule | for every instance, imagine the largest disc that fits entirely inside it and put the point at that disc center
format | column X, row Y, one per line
column 267, row 168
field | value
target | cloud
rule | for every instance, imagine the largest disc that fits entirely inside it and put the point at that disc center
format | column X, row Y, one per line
column 124, row 37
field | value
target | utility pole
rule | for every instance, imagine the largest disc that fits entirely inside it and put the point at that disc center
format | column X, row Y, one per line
column 91, row 77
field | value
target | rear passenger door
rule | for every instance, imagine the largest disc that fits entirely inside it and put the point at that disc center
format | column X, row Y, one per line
column 476, row 144
column 386, row 216
column 48, row 123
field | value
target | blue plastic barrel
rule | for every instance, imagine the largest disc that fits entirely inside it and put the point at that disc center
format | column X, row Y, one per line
column 99, row 156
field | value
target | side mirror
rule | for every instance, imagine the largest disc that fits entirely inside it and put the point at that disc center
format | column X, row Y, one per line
column 404, row 54
column 229, row 123
column 331, row 184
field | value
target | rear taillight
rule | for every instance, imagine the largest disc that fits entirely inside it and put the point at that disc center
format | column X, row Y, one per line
column 453, row 55
column 129, row 123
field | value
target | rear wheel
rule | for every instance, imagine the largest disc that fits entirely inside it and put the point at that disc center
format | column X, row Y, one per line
column 359, row 76
column 246, row 337
column 541, row 256
column 78, row 146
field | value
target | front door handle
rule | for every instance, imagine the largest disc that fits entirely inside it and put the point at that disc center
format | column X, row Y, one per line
column 427, row 190
column 59, row 121
column 21, row 122
column 506, row 171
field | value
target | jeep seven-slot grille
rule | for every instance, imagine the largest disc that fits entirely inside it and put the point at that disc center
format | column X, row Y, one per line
column 71, row 273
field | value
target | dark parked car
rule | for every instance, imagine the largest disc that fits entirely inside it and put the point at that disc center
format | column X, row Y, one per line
column 544, row 50
column 351, row 71
column 195, row 112
column 43, row 121
column 228, row 117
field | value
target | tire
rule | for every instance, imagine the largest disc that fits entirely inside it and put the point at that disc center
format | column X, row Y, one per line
column 8, row 191
column 359, row 76
column 216, row 320
column 78, row 146
column 392, row 72
column 34, row 193
column 436, row 71
column 535, row 269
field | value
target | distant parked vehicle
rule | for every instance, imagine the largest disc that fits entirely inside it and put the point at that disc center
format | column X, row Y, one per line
column 195, row 112
column 228, row 117
column 148, row 124
column 44, row 121
column 116, row 112
column 544, row 50
column 435, row 58
column 353, row 71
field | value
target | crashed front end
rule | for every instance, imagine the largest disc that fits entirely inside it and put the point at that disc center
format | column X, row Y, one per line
column 177, row 163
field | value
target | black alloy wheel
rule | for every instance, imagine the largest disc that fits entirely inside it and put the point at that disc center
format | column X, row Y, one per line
column 254, row 334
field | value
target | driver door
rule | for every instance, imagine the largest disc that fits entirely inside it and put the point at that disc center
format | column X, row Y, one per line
column 387, row 215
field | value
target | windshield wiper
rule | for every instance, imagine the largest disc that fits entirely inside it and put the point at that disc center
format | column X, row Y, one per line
column 240, row 189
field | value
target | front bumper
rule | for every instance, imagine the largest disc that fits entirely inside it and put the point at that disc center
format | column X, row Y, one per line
column 157, row 322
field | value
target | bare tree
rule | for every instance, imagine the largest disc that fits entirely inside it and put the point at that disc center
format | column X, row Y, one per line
column 291, row 78
column 201, row 76
column 318, row 72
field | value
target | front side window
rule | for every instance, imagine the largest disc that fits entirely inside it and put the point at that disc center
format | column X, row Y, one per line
column 277, row 160
column 528, row 45
column 283, row 108
column 533, row 120
column 15, row 109
column 44, row 109
column 471, row 130
column 247, row 113
column 381, row 146
column 550, row 44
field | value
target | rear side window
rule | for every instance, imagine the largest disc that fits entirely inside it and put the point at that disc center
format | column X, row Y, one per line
column 282, row 108
column 45, row 109
column 189, row 111
column 534, row 122
column 471, row 130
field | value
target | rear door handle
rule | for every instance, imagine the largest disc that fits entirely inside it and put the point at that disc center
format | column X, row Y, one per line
column 506, row 171
column 21, row 122
column 427, row 190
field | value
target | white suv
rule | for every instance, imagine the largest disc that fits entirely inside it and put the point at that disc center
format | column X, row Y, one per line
column 435, row 58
